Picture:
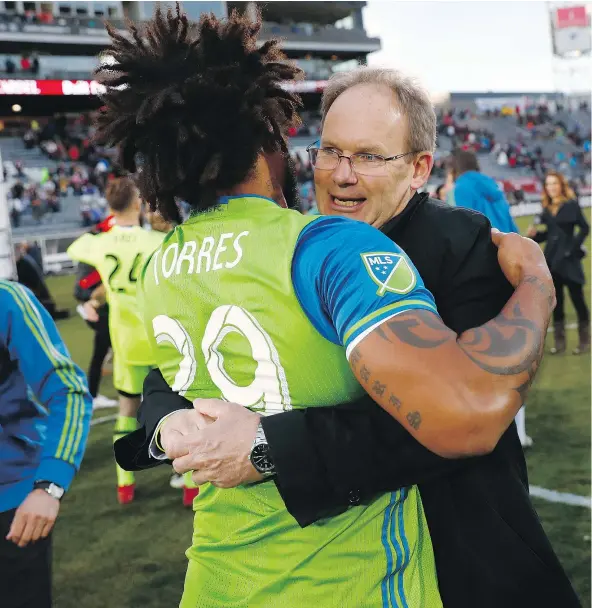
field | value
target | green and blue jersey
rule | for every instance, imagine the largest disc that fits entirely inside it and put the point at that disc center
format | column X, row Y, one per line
column 258, row 305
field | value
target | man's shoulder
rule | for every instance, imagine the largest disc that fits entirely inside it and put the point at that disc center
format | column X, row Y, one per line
column 450, row 229
column 452, row 218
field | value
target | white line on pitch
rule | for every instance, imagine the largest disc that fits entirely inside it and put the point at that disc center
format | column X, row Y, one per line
column 103, row 419
column 561, row 497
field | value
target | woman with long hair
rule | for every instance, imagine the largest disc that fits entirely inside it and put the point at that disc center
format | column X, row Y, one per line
column 564, row 253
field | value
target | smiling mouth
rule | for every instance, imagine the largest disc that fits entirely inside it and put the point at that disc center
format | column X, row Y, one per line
column 347, row 203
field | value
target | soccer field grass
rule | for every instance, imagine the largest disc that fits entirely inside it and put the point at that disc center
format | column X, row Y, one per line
column 133, row 556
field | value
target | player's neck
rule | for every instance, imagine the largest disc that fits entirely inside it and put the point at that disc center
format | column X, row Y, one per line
column 259, row 183
column 126, row 219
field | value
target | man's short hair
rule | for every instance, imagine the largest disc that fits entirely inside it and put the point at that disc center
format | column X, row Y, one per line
column 121, row 193
column 462, row 161
column 412, row 98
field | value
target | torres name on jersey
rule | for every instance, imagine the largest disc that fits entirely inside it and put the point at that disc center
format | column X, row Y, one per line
column 211, row 254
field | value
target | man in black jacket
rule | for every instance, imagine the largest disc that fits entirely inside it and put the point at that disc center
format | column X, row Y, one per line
column 489, row 546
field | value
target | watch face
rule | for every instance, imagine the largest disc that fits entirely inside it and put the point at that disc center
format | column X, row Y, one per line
column 56, row 491
column 261, row 459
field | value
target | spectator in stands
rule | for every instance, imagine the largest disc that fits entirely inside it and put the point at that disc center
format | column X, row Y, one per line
column 476, row 191
column 10, row 66
column 25, row 63
column 564, row 253
column 74, row 153
column 35, row 65
column 20, row 172
column 16, row 210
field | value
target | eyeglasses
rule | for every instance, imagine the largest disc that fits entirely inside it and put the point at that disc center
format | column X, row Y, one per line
column 327, row 159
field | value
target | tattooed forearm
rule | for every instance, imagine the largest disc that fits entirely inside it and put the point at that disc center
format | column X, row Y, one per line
column 507, row 345
column 396, row 403
column 543, row 288
column 378, row 388
column 522, row 389
column 365, row 373
column 354, row 358
column 414, row 420
column 421, row 329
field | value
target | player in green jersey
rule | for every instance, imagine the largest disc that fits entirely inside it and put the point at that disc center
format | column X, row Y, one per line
column 270, row 309
column 119, row 255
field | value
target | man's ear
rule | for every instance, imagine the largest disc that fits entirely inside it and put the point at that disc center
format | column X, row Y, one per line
column 422, row 167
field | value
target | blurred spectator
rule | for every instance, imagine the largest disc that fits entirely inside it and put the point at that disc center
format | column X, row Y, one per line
column 30, row 274
column 10, row 66
column 25, row 63
column 440, row 192
column 74, row 153
column 476, row 191
column 20, row 171
column 16, row 209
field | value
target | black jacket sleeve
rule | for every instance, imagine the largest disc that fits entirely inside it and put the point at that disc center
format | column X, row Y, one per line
column 583, row 229
column 132, row 450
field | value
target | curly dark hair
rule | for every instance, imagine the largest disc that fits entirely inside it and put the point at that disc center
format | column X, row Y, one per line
column 191, row 105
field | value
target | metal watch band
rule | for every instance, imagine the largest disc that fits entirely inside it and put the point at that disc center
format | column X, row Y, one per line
column 51, row 488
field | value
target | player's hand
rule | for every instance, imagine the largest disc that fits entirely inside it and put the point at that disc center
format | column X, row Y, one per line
column 519, row 257
column 91, row 312
column 219, row 452
column 34, row 519
column 176, row 428
column 531, row 232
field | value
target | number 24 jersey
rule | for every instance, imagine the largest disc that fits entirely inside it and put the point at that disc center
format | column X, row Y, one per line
column 118, row 256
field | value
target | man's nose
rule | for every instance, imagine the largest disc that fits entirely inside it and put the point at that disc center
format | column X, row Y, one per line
column 344, row 172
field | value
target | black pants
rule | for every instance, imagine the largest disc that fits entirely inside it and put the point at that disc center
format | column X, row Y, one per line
column 25, row 574
column 102, row 343
column 576, row 293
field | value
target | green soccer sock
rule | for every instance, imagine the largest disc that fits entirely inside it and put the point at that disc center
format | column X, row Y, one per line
column 123, row 426
column 188, row 481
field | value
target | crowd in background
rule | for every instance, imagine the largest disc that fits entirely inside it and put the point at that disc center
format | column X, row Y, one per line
column 28, row 64
column 535, row 126
column 83, row 169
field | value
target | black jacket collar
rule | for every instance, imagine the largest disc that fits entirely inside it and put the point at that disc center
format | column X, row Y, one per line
column 398, row 223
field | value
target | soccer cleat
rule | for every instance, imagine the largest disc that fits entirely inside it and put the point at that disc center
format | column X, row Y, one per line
column 189, row 494
column 100, row 402
column 125, row 494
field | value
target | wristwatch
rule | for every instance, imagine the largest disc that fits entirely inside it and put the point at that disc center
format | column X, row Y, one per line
column 260, row 456
column 51, row 488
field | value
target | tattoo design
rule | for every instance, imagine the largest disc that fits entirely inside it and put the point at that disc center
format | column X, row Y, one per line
column 543, row 289
column 378, row 388
column 414, row 420
column 523, row 388
column 421, row 329
column 505, row 346
column 355, row 358
column 396, row 403
column 365, row 373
